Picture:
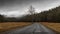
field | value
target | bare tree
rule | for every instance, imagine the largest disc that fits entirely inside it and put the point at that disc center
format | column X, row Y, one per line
column 31, row 10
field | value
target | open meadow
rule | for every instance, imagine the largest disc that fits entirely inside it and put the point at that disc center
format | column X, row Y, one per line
column 12, row 25
column 53, row 26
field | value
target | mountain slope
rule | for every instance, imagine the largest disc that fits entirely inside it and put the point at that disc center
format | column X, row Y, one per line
column 52, row 15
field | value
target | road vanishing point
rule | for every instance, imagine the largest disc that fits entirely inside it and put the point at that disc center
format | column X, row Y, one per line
column 35, row 28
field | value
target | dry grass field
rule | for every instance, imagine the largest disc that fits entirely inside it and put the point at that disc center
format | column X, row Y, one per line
column 54, row 26
column 12, row 25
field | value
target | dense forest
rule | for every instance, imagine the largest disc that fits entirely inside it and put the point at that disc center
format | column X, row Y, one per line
column 52, row 15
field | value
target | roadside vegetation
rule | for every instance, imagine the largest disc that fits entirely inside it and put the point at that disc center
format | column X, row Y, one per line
column 53, row 26
column 12, row 25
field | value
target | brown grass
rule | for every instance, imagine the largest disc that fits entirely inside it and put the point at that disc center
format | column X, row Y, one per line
column 12, row 25
column 54, row 26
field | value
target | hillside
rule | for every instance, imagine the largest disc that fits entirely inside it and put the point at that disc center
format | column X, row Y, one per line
column 52, row 15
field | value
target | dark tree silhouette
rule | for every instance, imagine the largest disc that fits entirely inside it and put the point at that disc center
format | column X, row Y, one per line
column 31, row 10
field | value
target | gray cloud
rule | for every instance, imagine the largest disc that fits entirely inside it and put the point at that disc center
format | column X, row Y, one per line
column 9, row 6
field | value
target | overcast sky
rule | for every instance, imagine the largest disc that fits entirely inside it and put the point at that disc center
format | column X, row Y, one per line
column 14, row 8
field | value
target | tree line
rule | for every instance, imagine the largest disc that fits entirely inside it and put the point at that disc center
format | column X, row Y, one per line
column 52, row 15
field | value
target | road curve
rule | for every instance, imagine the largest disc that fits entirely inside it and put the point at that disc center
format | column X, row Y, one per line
column 35, row 28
